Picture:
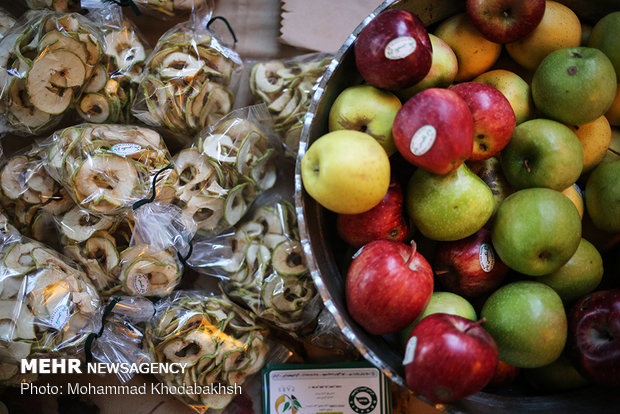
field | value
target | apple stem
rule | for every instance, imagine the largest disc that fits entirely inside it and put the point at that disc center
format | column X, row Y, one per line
column 527, row 167
column 413, row 251
column 477, row 323
column 441, row 272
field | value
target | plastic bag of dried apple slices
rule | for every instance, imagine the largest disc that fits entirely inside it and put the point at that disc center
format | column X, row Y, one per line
column 286, row 86
column 166, row 9
column 46, row 61
column 107, row 168
column 55, row 5
column 221, row 344
column 189, row 80
column 46, row 301
column 229, row 165
column 110, row 93
column 30, row 197
column 263, row 266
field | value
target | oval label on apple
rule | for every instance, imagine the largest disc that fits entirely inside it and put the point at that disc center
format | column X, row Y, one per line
column 410, row 351
column 486, row 257
column 423, row 140
column 400, row 47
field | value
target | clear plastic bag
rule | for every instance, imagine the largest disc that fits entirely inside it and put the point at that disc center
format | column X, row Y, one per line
column 109, row 95
column 46, row 61
column 55, row 5
column 189, row 80
column 107, row 168
column 46, row 301
column 6, row 22
column 263, row 267
column 286, row 86
column 165, row 9
column 30, row 197
column 231, row 163
column 220, row 342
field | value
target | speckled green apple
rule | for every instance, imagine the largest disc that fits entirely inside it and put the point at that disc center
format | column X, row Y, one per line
column 528, row 322
column 448, row 207
column 536, row 231
column 603, row 196
column 542, row 153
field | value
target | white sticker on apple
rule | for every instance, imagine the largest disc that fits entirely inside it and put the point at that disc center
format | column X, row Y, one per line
column 486, row 257
column 423, row 140
column 400, row 47
column 410, row 350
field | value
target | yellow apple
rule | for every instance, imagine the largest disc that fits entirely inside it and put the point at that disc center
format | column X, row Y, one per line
column 514, row 88
column 559, row 28
column 442, row 72
column 346, row 171
column 574, row 194
column 594, row 137
column 475, row 54
column 613, row 114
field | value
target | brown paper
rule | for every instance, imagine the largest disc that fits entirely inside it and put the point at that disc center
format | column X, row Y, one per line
column 322, row 25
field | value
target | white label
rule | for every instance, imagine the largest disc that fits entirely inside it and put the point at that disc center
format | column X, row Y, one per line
column 486, row 257
column 58, row 318
column 357, row 253
column 400, row 48
column 141, row 284
column 126, row 148
column 410, row 351
column 423, row 140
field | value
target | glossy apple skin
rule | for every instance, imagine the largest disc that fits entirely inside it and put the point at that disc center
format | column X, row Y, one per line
column 454, row 357
column 406, row 65
column 469, row 267
column 494, row 118
column 504, row 21
column 385, row 221
column 434, row 130
column 594, row 336
column 387, row 287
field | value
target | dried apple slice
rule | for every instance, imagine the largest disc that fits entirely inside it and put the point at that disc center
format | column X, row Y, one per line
column 94, row 107
column 51, row 79
column 206, row 211
column 236, row 205
column 124, row 47
column 266, row 76
column 79, row 225
column 13, row 177
column 180, row 65
column 61, row 40
column 98, row 80
column 24, row 112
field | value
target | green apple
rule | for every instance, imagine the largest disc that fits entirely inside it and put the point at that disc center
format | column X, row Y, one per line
column 575, row 85
column 603, row 196
column 536, row 231
column 605, row 35
column 580, row 275
column 527, row 320
column 442, row 302
column 514, row 88
column 443, row 69
column 560, row 375
column 366, row 109
column 347, row 172
column 490, row 170
column 542, row 153
column 448, row 207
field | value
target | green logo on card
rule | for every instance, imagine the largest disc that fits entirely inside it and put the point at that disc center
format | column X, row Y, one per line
column 363, row 400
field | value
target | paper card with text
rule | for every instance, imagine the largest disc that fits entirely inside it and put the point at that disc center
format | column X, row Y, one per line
column 352, row 388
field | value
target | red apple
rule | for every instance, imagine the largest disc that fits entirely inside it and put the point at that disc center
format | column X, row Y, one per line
column 494, row 118
column 388, row 286
column 449, row 357
column 504, row 21
column 469, row 267
column 594, row 336
column 385, row 221
column 504, row 375
column 393, row 51
column 434, row 130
